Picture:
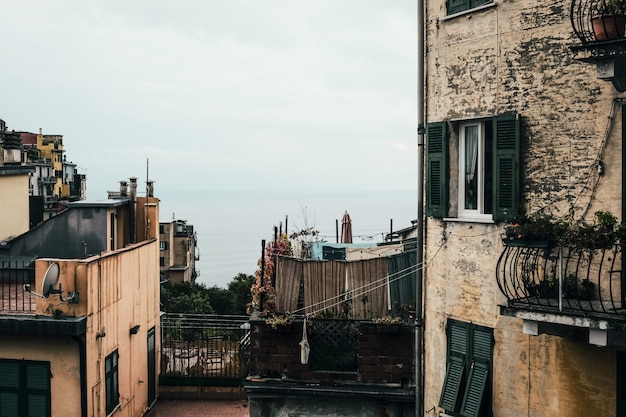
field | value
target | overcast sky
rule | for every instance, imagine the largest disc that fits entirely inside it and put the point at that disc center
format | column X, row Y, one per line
column 225, row 94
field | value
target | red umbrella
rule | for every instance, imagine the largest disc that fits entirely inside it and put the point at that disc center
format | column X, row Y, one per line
column 346, row 228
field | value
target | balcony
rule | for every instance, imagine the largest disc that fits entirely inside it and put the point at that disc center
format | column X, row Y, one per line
column 602, row 40
column 13, row 275
column 557, row 288
column 348, row 358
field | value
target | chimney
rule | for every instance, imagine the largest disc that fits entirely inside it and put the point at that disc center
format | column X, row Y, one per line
column 12, row 145
column 123, row 188
column 133, row 209
column 150, row 188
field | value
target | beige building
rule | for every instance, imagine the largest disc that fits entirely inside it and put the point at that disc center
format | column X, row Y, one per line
column 517, row 124
column 178, row 252
column 79, row 319
column 14, row 183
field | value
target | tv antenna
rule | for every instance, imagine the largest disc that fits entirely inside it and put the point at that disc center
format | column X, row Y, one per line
column 50, row 280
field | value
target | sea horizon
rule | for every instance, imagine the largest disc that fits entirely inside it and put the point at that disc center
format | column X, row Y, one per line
column 231, row 224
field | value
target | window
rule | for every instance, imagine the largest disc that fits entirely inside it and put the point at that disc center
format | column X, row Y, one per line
column 488, row 168
column 111, row 381
column 163, row 245
column 24, row 388
column 475, row 174
column 467, row 387
column 161, row 261
column 457, row 6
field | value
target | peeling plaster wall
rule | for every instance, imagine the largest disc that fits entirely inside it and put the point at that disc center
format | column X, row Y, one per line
column 516, row 57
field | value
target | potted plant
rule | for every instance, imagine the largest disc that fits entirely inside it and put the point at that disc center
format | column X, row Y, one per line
column 387, row 324
column 547, row 288
column 608, row 19
column 570, row 286
column 587, row 289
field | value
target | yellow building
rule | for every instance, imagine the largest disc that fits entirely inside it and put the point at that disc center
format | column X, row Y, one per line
column 79, row 321
column 51, row 148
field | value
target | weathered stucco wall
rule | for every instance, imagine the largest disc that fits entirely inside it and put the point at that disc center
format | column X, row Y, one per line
column 117, row 291
column 14, row 201
column 516, row 57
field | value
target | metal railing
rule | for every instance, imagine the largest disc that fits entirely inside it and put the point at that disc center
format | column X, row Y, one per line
column 204, row 349
column 14, row 274
column 558, row 279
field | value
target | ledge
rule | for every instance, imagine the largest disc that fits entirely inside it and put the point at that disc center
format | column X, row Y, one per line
column 42, row 325
column 277, row 388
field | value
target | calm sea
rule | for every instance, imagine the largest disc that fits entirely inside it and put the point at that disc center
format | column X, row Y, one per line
column 230, row 225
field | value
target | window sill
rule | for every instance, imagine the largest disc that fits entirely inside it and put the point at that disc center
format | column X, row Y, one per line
column 468, row 11
column 468, row 220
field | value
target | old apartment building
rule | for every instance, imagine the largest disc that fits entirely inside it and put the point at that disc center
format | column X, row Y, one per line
column 178, row 252
column 79, row 311
column 522, row 120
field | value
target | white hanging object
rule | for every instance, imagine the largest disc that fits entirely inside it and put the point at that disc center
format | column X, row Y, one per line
column 305, row 348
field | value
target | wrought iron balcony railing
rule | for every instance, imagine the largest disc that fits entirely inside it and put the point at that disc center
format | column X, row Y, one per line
column 587, row 283
column 590, row 26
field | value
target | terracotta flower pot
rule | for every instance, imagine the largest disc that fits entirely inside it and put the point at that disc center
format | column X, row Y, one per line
column 608, row 27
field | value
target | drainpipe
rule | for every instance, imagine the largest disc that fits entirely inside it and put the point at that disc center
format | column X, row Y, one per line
column 421, row 132
column 623, row 295
column 82, row 353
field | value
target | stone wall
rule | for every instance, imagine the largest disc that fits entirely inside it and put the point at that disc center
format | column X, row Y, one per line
column 516, row 57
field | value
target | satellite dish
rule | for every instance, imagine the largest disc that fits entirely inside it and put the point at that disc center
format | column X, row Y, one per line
column 50, row 279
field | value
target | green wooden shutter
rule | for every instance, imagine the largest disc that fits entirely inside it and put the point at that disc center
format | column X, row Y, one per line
column 506, row 166
column 455, row 6
column 38, row 387
column 452, row 383
column 437, row 170
column 9, row 388
column 457, row 356
column 475, row 389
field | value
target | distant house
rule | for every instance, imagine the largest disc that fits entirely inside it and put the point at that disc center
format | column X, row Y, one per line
column 79, row 312
column 178, row 252
column 53, row 180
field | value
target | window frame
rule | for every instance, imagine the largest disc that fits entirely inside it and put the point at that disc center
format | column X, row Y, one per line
column 479, row 212
column 505, row 137
column 25, row 387
column 111, row 378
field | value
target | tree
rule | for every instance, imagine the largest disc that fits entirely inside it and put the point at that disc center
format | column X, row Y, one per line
column 239, row 287
column 185, row 297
